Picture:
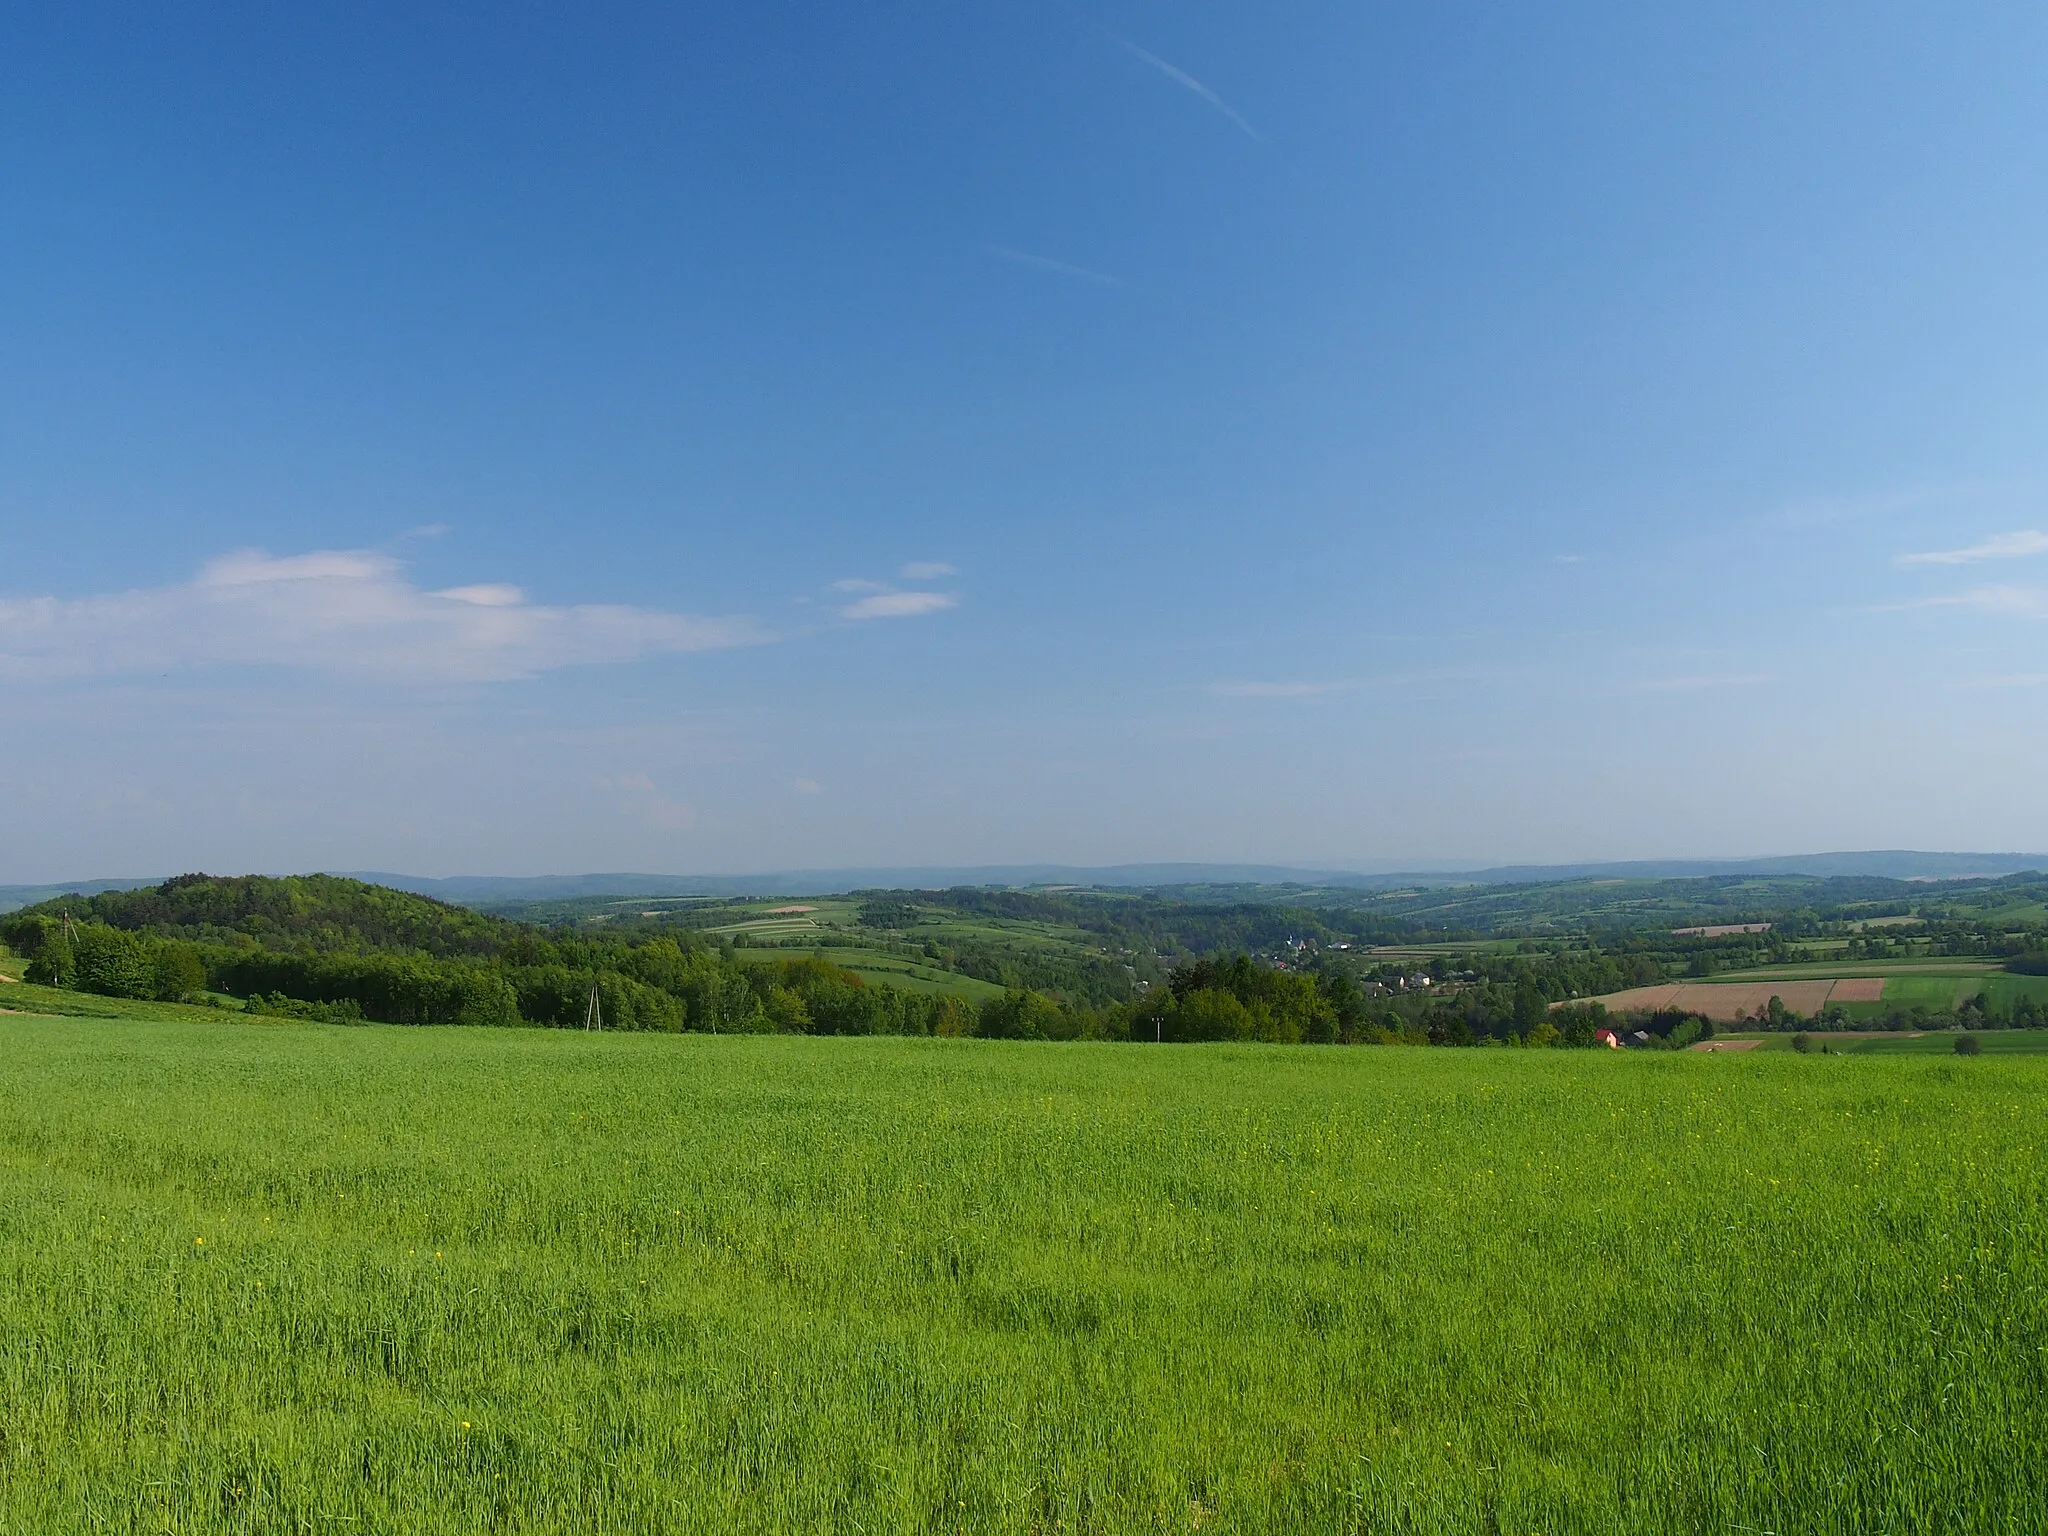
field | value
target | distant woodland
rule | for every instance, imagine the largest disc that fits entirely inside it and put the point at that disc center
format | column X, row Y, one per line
column 1291, row 968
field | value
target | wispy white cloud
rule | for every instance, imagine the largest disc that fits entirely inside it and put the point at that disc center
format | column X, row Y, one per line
column 341, row 611
column 1056, row 268
column 1702, row 682
column 899, row 605
column 485, row 595
column 2010, row 601
column 881, row 600
column 2017, row 545
column 1296, row 690
column 809, row 787
column 1182, row 78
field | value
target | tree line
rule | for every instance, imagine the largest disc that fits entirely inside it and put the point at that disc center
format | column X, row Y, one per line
column 336, row 949
column 667, row 984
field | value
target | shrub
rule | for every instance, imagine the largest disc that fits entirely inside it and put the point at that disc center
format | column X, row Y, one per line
column 26, row 935
column 1018, row 1015
column 113, row 963
column 1448, row 1027
column 1689, row 1030
column 1211, row 1014
column 53, row 964
column 278, row 1006
column 1968, row 1045
column 178, row 973
column 1802, row 1043
column 1577, row 1022
column 786, row 1011
column 390, row 989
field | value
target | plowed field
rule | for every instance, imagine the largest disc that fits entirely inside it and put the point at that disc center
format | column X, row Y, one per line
column 1726, row 1001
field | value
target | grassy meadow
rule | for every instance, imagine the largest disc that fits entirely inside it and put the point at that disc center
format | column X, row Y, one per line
column 835, row 929
column 1990, row 1042
column 286, row 1277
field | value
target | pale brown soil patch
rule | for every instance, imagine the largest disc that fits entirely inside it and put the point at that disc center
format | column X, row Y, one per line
column 1635, row 1000
column 786, row 911
column 1723, row 1002
column 1858, row 989
column 1735, row 999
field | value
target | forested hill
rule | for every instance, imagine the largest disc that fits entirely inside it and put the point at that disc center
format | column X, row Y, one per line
column 1000, row 963
column 293, row 912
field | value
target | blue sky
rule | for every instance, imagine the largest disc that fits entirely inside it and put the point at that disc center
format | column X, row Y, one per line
column 514, row 439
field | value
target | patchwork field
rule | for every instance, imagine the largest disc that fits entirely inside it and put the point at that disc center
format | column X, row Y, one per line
column 899, row 938
column 1837, row 966
column 877, row 965
column 287, row 1277
column 1726, row 1000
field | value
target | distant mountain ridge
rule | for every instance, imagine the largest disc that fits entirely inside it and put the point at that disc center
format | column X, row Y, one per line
column 15, row 897
column 1892, row 864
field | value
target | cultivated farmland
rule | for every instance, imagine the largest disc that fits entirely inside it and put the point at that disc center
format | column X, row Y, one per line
column 1935, row 986
column 284, row 1277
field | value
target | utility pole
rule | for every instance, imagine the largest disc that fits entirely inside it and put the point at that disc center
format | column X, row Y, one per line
column 593, row 1016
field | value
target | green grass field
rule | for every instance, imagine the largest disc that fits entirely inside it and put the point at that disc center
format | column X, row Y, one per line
column 831, row 928
column 1936, row 991
column 779, row 919
column 20, row 998
column 1992, row 1042
column 1810, row 969
column 1938, row 985
column 1941, row 992
column 289, row 1277
column 2004, row 988
column 1940, row 1042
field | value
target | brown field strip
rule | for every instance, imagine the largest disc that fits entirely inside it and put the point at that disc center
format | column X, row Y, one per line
column 1639, row 999
column 1726, row 1001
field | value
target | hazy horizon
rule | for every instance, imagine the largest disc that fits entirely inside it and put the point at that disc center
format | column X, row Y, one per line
column 1908, row 864
column 789, row 439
